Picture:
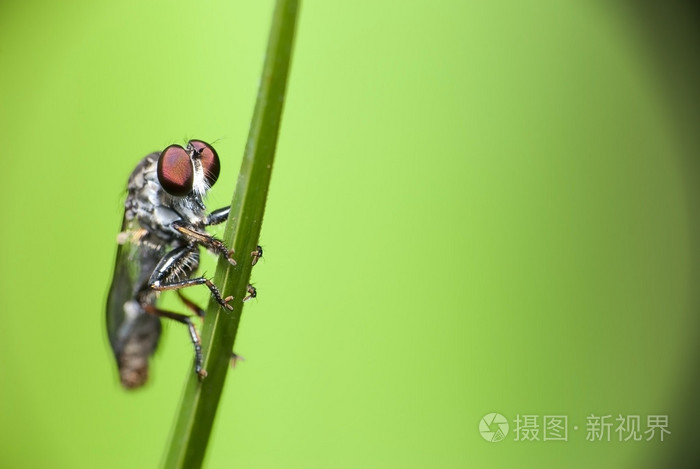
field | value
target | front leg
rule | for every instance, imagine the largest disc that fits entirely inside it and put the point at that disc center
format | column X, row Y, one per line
column 178, row 263
column 218, row 216
column 204, row 239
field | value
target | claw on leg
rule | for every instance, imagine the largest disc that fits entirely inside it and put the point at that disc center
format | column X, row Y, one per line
column 235, row 359
column 217, row 295
column 252, row 293
column 229, row 257
column 257, row 254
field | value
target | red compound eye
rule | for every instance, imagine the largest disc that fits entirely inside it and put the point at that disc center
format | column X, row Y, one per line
column 209, row 158
column 175, row 172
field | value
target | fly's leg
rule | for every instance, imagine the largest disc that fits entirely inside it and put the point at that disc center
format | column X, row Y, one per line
column 194, row 336
column 221, row 215
column 181, row 262
column 194, row 307
column 252, row 293
column 158, row 285
column 218, row 216
column 235, row 359
column 257, row 254
column 206, row 240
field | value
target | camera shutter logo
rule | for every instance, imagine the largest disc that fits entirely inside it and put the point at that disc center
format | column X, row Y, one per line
column 493, row 427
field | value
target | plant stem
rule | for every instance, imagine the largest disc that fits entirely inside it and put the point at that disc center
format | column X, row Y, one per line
column 190, row 436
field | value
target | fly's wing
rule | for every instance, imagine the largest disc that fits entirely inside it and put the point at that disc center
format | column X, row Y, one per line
column 133, row 333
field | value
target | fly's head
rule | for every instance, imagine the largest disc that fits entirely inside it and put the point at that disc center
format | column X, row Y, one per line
column 186, row 174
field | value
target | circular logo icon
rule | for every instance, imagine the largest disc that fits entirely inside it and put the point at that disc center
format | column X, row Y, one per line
column 493, row 427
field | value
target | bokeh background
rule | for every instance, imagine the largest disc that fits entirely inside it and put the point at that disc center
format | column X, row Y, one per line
column 476, row 207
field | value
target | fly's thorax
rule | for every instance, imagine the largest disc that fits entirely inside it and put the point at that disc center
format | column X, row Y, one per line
column 143, row 172
column 143, row 194
column 155, row 208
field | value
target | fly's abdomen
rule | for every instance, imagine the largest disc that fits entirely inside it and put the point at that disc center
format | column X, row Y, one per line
column 137, row 340
column 133, row 333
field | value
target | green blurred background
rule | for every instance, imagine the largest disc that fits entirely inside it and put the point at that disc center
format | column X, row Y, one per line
column 476, row 207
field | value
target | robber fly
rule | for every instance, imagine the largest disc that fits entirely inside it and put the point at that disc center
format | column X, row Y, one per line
column 162, row 231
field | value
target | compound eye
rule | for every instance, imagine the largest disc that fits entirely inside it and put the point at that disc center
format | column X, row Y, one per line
column 175, row 172
column 209, row 158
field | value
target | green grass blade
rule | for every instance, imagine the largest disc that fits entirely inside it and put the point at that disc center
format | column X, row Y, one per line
column 201, row 398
